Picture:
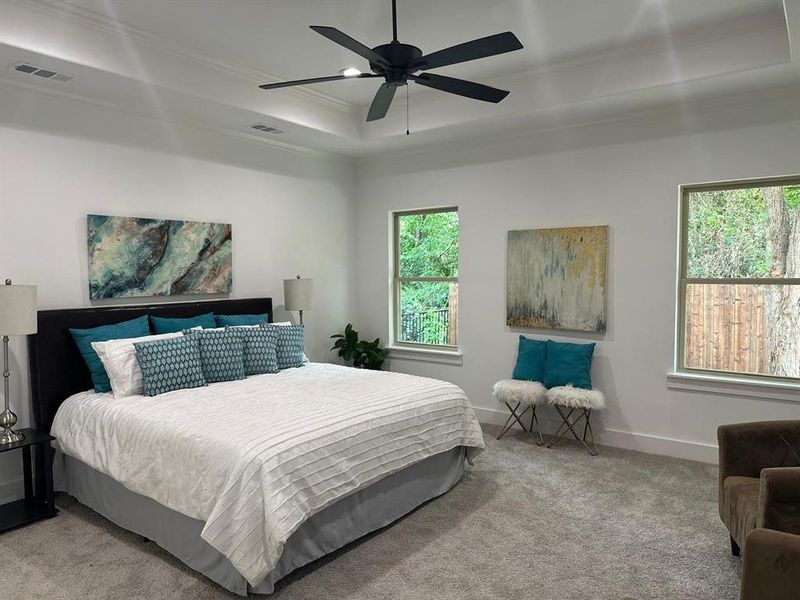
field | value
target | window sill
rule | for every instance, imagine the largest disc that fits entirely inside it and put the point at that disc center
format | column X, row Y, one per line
column 447, row 357
column 733, row 386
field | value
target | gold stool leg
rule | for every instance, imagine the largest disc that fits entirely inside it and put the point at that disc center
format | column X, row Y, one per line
column 568, row 425
column 535, row 419
column 517, row 418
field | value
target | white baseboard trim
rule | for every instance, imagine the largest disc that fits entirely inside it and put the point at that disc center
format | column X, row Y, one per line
column 11, row 490
column 629, row 440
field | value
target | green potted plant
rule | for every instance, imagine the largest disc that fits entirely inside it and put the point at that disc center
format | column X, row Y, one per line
column 361, row 353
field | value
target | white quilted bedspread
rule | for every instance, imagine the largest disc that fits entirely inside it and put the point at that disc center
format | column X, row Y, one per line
column 255, row 458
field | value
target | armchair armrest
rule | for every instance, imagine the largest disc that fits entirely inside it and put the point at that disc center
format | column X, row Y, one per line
column 779, row 499
column 771, row 567
column 746, row 448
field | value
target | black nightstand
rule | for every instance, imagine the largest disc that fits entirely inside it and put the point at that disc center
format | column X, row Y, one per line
column 39, row 503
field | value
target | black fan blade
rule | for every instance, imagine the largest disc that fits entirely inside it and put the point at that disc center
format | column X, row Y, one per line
column 345, row 40
column 489, row 46
column 381, row 102
column 282, row 84
column 470, row 89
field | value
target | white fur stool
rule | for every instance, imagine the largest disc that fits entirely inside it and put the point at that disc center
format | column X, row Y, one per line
column 515, row 393
column 566, row 400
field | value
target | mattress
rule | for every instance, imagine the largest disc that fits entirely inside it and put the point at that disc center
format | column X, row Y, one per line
column 254, row 459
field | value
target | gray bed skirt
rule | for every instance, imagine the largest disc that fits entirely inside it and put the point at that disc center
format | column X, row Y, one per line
column 348, row 519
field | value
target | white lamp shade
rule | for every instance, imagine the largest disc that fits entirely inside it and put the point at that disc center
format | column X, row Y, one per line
column 298, row 293
column 17, row 309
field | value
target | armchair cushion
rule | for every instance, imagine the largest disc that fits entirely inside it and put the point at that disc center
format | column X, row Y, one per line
column 738, row 506
column 771, row 569
column 779, row 502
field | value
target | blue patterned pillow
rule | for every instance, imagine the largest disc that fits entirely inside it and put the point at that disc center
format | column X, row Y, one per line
column 222, row 352
column 289, row 345
column 172, row 364
column 260, row 354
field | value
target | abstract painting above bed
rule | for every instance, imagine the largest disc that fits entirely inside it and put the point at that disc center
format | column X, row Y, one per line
column 130, row 256
column 556, row 278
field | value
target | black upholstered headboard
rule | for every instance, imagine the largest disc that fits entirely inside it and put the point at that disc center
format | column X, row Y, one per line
column 57, row 369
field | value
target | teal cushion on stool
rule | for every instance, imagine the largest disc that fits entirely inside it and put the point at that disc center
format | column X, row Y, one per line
column 568, row 364
column 531, row 358
column 84, row 337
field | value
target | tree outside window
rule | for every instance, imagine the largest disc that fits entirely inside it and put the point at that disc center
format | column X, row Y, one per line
column 740, row 279
column 426, row 277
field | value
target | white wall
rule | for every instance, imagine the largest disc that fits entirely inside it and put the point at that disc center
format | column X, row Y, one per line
column 62, row 159
column 624, row 175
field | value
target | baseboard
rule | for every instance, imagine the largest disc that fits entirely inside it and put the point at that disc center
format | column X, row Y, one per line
column 629, row 440
column 11, row 490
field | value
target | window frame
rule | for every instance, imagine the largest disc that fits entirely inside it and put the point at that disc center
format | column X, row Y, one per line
column 397, row 281
column 683, row 281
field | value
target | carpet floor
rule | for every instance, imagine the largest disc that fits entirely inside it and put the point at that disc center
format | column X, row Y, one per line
column 524, row 523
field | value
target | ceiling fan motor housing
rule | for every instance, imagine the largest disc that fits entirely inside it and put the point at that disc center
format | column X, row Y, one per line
column 403, row 58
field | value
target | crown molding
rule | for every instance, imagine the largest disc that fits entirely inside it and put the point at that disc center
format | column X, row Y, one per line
column 241, row 135
column 773, row 96
column 99, row 22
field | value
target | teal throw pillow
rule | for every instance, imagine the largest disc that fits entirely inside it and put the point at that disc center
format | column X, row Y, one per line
column 169, row 325
column 531, row 358
column 172, row 364
column 289, row 345
column 568, row 364
column 84, row 337
column 260, row 350
column 222, row 353
column 239, row 320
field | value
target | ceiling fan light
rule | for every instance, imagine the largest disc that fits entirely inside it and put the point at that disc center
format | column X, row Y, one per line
column 350, row 72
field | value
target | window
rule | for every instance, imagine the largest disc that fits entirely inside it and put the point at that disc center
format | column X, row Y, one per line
column 425, row 278
column 739, row 288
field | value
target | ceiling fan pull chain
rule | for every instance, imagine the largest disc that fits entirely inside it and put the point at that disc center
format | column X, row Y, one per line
column 407, row 133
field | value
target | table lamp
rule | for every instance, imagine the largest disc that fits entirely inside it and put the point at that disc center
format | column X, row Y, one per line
column 297, row 294
column 17, row 317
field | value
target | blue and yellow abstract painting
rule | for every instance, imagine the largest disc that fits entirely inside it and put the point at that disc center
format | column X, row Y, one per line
column 556, row 278
column 130, row 256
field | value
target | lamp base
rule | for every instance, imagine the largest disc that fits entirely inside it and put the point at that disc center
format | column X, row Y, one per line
column 10, row 437
column 7, row 436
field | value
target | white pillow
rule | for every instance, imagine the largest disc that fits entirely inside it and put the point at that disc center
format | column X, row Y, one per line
column 119, row 359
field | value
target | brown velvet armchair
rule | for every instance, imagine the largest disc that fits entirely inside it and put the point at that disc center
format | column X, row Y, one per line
column 759, row 502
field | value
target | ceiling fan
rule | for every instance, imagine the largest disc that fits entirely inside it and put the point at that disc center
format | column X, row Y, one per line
column 398, row 63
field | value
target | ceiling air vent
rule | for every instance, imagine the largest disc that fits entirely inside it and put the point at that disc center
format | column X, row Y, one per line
column 30, row 69
column 265, row 128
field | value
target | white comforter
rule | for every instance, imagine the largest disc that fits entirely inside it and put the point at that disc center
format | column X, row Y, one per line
column 255, row 458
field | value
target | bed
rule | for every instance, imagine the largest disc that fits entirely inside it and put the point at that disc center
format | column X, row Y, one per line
column 246, row 481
